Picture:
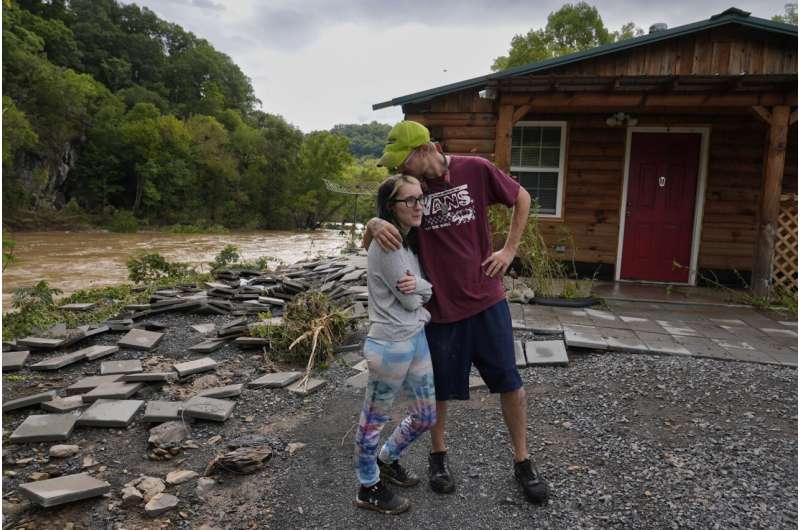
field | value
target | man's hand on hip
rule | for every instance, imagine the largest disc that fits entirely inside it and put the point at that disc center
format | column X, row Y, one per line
column 385, row 233
column 497, row 264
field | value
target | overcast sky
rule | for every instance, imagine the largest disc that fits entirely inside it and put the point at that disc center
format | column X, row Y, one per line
column 322, row 62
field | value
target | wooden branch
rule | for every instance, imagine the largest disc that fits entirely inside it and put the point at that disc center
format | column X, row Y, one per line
column 520, row 113
column 763, row 113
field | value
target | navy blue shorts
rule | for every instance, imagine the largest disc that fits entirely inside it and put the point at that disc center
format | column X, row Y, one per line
column 485, row 340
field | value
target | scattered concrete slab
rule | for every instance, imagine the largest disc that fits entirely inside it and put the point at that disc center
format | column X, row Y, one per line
column 140, row 339
column 678, row 328
column 352, row 358
column 61, row 490
column 90, row 383
column 361, row 365
column 78, row 307
column 359, row 380
column 519, row 354
column 117, row 390
column 622, row 340
column 41, row 343
column 578, row 336
column 28, row 401
column 251, row 342
column 55, row 363
column 703, row 347
column 660, row 343
column 149, row 377
column 130, row 366
column 44, row 428
column 206, row 408
column 96, row 352
column 192, row 367
column 161, row 411
column 65, row 404
column 546, row 352
column 276, row 380
column 208, row 346
column 222, row 391
column 14, row 360
column 309, row 387
column 110, row 413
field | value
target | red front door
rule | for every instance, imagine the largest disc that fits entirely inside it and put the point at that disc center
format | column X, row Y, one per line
column 662, row 183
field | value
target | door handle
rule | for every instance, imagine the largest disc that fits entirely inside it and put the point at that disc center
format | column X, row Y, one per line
column 662, row 181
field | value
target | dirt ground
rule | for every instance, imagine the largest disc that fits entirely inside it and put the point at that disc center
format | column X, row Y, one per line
column 626, row 441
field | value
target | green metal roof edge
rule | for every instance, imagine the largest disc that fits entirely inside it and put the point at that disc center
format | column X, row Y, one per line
column 714, row 21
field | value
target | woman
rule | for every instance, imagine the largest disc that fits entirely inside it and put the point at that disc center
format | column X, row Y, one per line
column 396, row 351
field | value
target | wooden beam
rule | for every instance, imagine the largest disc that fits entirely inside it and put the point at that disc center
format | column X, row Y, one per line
column 520, row 113
column 763, row 113
column 546, row 101
column 502, row 142
column 769, row 206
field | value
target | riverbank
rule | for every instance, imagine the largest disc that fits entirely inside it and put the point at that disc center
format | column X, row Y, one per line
column 72, row 261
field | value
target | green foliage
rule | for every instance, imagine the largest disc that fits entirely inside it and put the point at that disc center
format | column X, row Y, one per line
column 123, row 221
column 366, row 139
column 40, row 293
column 151, row 268
column 227, row 256
column 8, row 251
column 789, row 15
column 312, row 328
column 573, row 28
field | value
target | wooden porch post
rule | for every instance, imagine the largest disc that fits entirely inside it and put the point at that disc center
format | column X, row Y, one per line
column 769, row 206
column 502, row 139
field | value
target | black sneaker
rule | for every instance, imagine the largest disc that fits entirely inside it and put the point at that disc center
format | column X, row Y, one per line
column 439, row 473
column 397, row 474
column 533, row 485
column 381, row 499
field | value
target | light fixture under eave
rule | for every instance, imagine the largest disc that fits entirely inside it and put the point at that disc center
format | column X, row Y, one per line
column 620, row 118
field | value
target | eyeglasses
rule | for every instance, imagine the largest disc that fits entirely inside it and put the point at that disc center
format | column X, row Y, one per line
column 412, row 202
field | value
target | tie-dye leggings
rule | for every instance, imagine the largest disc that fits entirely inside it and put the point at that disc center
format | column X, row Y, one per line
column 394, row 366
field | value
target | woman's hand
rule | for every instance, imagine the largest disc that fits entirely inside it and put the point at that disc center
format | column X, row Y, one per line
column 407, row 284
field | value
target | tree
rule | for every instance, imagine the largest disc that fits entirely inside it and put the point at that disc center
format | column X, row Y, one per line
column 573, row 28
column 789, row 15
column 366, row 139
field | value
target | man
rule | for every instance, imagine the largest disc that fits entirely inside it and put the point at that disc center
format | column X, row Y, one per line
column 470, row 318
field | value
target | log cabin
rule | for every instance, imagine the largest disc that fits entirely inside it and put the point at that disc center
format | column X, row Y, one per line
column 660, row 158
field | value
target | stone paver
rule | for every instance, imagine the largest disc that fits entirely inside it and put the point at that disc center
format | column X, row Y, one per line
column 660, row 343
column 703, row 347
column 674, row 327
column 276, row 380
column 96, row 352
column 14, row 360
column 519, row 354
column 361, row 365
column 309, row 387
column 77, row 307
column 359, row 380
column 41, row 343
column 149, row 377
column 206, row 408
column 192, row 367
column 110, row 413
column 578, row 336
column 208, row 346
column 54, row 363
column 117, row 390
column 68, row 488
column 140, row 339
column 622, row 340
column 28, row 401
column 44, row 428
column 636, row 323
column 90, row 383
column 546, row 352
column 476, row 382
column 161, row 411
column 205, row 328
column 130, row 366
column 222, row 391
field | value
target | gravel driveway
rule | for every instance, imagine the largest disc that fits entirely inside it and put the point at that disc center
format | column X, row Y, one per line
column 626, row 441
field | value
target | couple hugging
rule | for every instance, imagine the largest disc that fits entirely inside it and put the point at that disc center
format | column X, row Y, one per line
column 436, row 307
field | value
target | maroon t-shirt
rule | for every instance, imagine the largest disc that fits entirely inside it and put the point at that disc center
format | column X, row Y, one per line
column 455, row 237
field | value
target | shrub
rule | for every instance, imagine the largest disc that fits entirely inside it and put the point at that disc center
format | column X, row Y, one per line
column 228, row 256
column 123, row 221
column 150, row 268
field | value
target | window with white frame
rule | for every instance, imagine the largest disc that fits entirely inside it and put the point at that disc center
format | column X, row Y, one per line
column 537, row 162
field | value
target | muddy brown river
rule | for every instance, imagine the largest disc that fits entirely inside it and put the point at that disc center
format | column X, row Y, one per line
column 72, row 261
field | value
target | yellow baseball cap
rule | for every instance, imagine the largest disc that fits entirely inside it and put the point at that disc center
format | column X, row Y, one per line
column 403, row 138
